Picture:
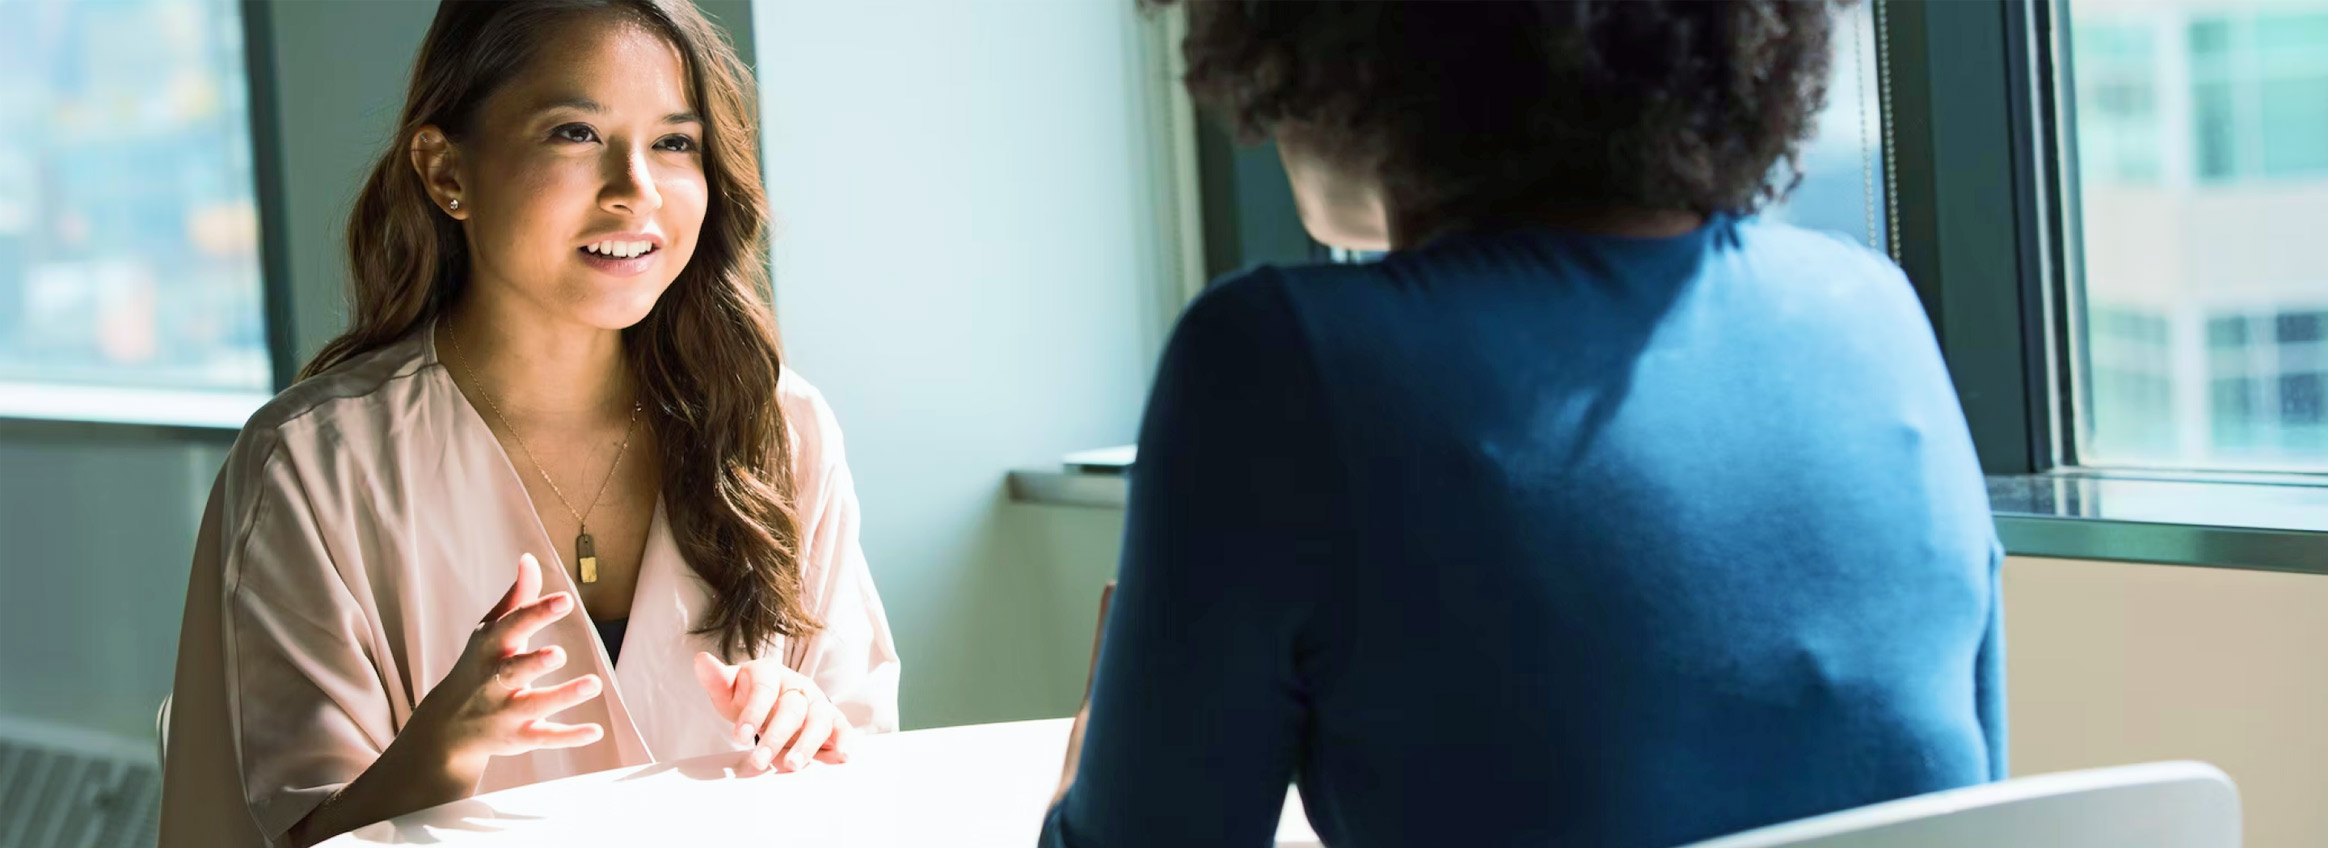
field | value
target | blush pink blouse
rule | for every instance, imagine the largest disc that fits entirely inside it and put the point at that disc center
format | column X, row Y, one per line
column 365, row 521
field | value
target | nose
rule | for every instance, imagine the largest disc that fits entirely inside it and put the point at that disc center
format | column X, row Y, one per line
column 630, row 183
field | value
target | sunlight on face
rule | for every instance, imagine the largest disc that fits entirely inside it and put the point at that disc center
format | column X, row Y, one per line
column 597, row 142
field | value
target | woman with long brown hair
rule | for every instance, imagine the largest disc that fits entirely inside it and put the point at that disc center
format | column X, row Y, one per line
column 560, row 387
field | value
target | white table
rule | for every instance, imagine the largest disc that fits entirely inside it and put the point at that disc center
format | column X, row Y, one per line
column 958, row 786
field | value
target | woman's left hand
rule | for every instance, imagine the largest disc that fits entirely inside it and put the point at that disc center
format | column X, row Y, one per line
column 792, row 719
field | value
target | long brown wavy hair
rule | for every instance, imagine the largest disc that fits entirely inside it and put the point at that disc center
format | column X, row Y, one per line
column 706, row 357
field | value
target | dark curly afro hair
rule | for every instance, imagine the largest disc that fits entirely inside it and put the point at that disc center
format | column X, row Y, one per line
column 1467, row 107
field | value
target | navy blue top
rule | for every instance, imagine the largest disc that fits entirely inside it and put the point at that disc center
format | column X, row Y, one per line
column 610, row 632
column 1546, row 539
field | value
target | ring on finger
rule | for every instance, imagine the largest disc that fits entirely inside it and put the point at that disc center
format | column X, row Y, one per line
column 500, row 680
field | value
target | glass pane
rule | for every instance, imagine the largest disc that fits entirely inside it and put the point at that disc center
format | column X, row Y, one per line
column 2211, row 123
column 2291, row 42
column 1842, row 186
column 128, row 227
column 2227, row 332
column 2233, row 415
column 2120, row 132
column 2201, row 133
column 2294, row 127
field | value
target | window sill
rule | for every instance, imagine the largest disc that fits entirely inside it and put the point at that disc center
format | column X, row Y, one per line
column 120, row 405
column 1100, row 490
column 2257, row 523
column 38, row 410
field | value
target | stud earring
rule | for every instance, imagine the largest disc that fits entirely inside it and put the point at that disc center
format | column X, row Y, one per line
column 455, row 205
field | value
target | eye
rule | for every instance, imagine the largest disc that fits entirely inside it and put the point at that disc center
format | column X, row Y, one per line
column 676, row 144
column 576, row 133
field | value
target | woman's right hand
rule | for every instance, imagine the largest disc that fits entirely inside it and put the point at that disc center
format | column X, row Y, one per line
column 486, row 706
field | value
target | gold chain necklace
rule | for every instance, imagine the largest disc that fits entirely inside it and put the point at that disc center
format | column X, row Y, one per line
column 585, row 550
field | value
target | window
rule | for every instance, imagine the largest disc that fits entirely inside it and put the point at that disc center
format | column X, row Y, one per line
column 130, row 283
column 2201, row 179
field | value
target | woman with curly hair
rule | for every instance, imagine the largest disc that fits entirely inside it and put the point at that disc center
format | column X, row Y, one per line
column 1598, row 513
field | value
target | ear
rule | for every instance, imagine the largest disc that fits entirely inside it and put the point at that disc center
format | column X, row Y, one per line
column 439, row 164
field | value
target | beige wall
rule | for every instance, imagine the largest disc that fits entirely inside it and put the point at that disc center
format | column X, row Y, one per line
column 2114, row 663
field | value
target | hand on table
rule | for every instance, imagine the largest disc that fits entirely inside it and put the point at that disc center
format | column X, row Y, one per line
column 790, row 719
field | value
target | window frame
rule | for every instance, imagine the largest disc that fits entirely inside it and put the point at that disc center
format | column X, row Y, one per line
column 2005, row 295
column 267, row 171
column 1985, row 277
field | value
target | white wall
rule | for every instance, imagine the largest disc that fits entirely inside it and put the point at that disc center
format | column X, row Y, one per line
column 2112, row 663
column 974, row 270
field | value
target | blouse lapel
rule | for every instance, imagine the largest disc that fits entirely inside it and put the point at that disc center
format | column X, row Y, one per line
column 497, row 481
column 577, row 629
column 657, row 671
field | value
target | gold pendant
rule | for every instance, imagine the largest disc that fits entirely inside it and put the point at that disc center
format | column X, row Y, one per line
column 586, row 557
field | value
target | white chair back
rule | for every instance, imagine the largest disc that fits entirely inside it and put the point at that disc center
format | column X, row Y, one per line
column 162, row 735
column 2154, row 805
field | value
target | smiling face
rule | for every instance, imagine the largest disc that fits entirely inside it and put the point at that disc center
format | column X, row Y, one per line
column 581, row 182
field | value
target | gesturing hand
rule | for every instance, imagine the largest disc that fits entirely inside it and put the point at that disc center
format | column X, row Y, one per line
column 790, row 717
column 486, row 707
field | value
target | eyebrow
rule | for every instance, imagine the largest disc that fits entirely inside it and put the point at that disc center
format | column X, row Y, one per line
column 585, row 104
